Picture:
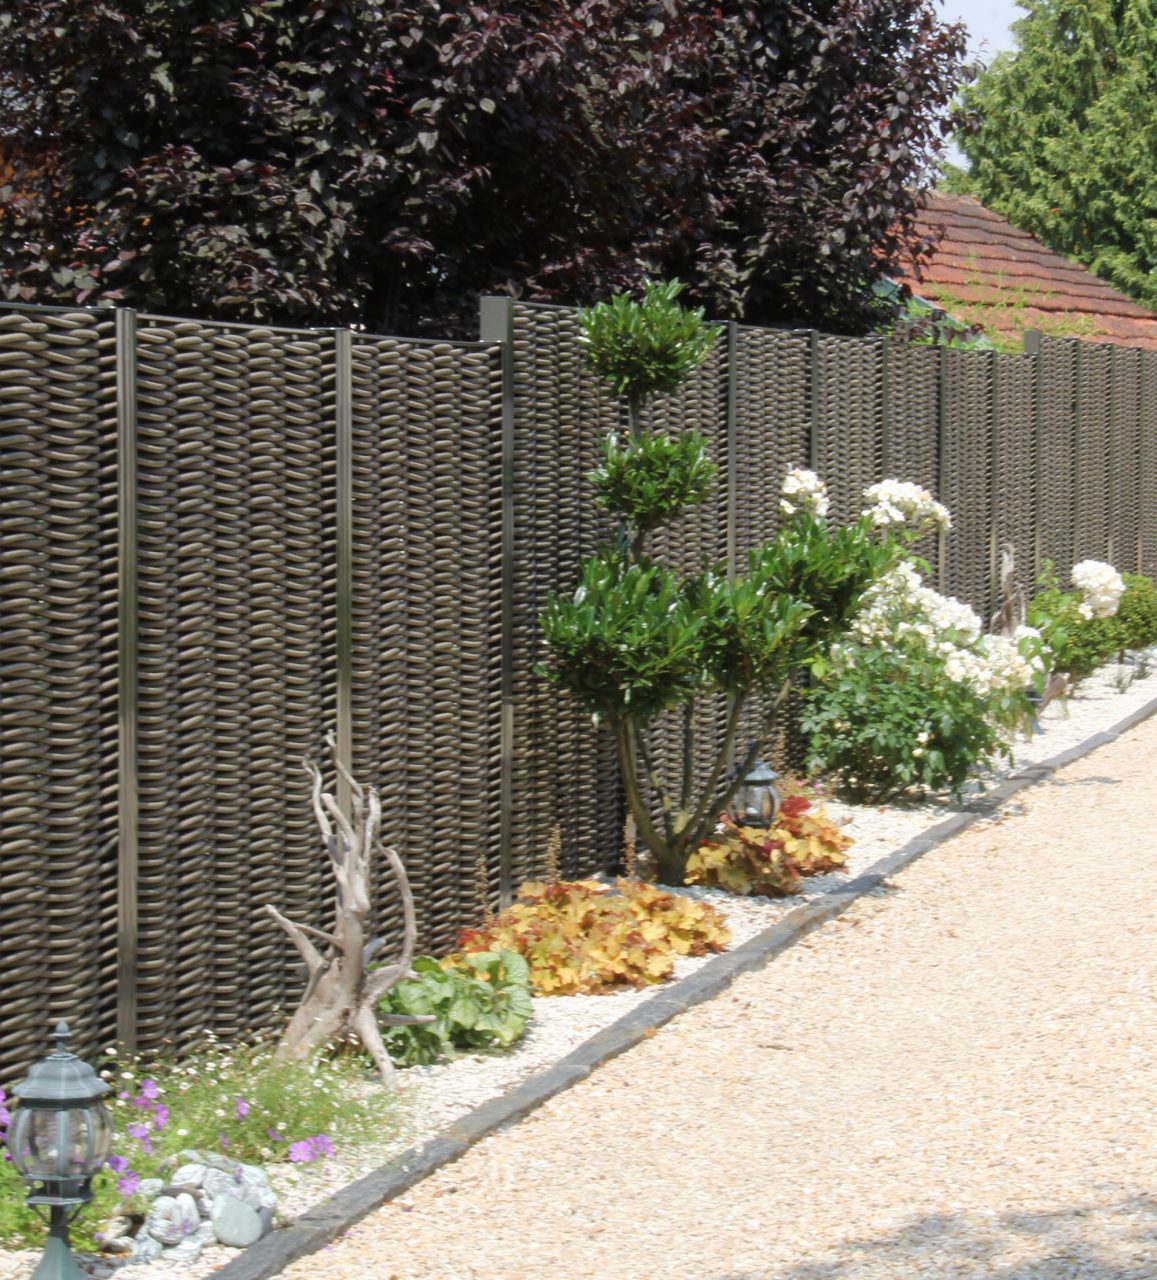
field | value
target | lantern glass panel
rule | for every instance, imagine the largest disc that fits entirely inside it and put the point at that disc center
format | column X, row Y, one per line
column 54, row 1145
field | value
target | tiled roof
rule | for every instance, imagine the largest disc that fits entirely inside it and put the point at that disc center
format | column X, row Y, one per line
column 987, row 271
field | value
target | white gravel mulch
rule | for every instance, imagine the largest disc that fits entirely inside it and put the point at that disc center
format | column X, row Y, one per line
column 439, row 1094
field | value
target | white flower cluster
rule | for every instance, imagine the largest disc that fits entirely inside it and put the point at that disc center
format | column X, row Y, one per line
column 897, row 502
column 1101, row 586
column 803, row 491
column 901, row 607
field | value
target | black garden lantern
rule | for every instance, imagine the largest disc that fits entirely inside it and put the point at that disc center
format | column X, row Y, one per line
column 59, row 1136
column 757, row 801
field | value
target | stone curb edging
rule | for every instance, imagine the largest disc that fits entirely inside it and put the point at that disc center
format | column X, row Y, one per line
column 324, row 1223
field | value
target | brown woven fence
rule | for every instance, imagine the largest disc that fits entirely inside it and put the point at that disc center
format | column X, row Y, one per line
column 220, row 541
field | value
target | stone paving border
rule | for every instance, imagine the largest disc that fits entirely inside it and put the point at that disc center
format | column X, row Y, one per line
column 324, row 1223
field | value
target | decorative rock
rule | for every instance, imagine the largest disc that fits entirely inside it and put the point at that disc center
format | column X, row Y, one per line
column 265, row 1213
column 117, row 1228
column 172, row 1219
column 210, row 1158
column 146, row 1249
column 187, row 1251
column 150, row 1188
column 190, row 1175
column 235, row 1222
column 121, row 1245
column 244, row 1182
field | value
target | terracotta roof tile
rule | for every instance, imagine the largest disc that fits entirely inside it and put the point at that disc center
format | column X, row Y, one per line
column 1007, row 279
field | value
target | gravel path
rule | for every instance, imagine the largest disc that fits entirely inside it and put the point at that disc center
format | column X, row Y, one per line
column 957, row 1079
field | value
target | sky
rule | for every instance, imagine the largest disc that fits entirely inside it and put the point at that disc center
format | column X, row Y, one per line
column 988, row 23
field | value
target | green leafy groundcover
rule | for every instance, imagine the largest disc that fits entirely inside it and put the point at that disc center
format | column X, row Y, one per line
column 483, row 1002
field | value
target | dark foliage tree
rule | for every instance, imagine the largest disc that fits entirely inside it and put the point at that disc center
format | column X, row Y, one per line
column 1063, row 135
column 384, row 162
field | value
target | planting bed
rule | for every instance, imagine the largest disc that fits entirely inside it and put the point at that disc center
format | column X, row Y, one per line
column 438, row 1095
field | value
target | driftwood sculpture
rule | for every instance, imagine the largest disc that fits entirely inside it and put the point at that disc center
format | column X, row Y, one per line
column 1012, row 614
column 341, row 994
column 1013, row 605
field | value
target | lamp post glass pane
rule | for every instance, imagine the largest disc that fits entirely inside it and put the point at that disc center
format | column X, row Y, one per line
column 53, row 1145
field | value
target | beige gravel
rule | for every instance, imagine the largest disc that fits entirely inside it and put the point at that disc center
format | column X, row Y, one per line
column 957, row 1079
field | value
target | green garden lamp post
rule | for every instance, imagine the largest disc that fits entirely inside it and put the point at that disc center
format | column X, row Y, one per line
column 59, row 1136
column 757, row 801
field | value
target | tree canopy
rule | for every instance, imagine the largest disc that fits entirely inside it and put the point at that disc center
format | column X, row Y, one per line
column 385, row 161
column 1063, row 136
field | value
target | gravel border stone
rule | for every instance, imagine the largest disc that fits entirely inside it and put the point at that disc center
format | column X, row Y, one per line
column 321, row 1225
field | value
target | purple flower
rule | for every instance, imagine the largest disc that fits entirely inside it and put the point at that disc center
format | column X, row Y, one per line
column 301, row 1152
column 160, row 1116
column 141, row 1133
column 128, row 1184
column 149, row 1090
column 242, row 1107
column 118, row 1164
column 274, row 1135
column 224, row 1141
column 322, row 1146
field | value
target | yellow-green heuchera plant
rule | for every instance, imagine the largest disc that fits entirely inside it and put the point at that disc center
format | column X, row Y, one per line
column 634, row 641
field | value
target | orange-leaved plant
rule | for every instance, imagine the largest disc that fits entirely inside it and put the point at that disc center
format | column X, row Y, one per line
column 583, row 936
column 770, row 862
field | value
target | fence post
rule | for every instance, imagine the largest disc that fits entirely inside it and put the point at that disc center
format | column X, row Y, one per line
column 995, row 461
column 885, row 407
column 128, row 784
column 941, row 457
column 732, row 446
column 1032, row 347
column 344, row 554
column 497, row 325
column 814, row 385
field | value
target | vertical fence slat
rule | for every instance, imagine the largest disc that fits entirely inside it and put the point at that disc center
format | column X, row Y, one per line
column 128, row 657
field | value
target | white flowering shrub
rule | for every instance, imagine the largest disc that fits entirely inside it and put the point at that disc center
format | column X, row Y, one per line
column 1101, row 588
column 1104, row 616
column 917, row 698
column 804, row 493
column 898, row 502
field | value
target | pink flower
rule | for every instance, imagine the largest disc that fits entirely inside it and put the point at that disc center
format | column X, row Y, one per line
column 160, row 1116
column 149, row 1090
column 242, row 1107
column 301, row 1152
column 128, row 1184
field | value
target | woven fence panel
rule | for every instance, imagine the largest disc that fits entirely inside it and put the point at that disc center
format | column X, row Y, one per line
column 698, row 538
column 1056, row 505
column 912, row 427
column 427, row 619
column 1094, row 405
column 1014, row 462
column 564, row 770
column 966, row 477
column 236, row 664
column 58, row 713
column 912, row 448
column 1125, row 452
column 849, row 416
column 772, row 426
column 1147, row 426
